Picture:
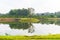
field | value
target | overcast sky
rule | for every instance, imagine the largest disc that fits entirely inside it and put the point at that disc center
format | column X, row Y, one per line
column 38, row 5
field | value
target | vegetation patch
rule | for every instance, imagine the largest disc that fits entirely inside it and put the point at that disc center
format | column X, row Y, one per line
column 32, row 20
column 41, row 37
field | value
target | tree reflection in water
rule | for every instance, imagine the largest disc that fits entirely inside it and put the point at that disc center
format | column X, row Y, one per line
column 23, row 26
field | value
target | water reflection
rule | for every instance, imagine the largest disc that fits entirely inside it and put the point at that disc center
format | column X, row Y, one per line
column 4, row 28
column 23, row 26
column 42, row 28
column 19, row 26
column 56, row 22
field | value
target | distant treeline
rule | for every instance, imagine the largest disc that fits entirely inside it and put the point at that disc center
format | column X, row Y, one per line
column 15, row 13
column 24, row 13
column 49, row 15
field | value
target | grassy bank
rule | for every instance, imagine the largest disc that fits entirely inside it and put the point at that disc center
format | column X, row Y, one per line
column 22, row 20
column 32, row 20
column 41, row 37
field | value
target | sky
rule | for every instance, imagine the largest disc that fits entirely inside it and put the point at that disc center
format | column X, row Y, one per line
column 40, row 6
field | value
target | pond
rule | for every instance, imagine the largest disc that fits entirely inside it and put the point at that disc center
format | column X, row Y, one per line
column 42, row 28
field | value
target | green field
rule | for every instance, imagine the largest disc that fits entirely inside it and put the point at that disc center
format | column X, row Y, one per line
column 32, row 20
column 41, row 37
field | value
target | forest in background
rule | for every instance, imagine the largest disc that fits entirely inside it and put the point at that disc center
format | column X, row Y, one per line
column 25, row 13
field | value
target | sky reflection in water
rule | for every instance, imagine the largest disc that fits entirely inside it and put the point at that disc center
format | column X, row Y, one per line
column 40, row 29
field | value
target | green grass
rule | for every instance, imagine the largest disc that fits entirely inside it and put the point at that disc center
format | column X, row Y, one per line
column 41, row 37
column 32, row 20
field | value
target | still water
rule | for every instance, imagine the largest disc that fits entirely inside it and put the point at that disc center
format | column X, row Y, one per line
column 37, row 29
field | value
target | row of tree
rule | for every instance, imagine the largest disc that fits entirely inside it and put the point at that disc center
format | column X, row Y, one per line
column 49, row 15
column 18, row 13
